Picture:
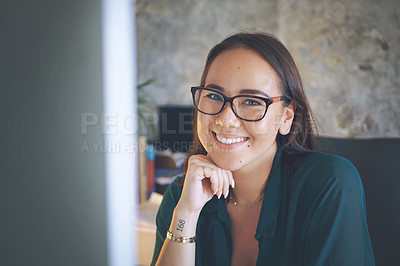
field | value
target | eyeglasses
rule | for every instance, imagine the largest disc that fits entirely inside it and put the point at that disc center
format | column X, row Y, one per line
column 246, row 107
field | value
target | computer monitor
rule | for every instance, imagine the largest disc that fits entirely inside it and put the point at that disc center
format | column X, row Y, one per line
column 175, row 128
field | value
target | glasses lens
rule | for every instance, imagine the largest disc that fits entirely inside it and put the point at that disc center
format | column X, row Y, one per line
column 250, row 108
column 208, row 101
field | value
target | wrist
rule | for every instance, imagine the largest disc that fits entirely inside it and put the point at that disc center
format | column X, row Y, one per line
column 184, row 222
column 183, row 209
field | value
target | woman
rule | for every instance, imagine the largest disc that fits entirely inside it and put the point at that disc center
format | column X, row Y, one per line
column 254, row 192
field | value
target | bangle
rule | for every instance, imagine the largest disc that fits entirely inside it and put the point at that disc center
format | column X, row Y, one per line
column 180, row 239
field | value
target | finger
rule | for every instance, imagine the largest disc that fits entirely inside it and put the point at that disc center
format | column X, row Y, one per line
column 231, row 179
column 211, row 174
column 226, row 183
column 225, row 179
column 222, row 181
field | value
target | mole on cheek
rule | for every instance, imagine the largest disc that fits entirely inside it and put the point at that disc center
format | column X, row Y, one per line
column 238, row 67
column 248, row 145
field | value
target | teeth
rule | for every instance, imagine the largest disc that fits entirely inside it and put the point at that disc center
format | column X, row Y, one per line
column 229, row 141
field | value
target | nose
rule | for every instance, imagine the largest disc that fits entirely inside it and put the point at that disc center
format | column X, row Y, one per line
column 227, row 118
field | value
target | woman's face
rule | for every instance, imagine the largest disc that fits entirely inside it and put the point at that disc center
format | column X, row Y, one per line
column 235, row 72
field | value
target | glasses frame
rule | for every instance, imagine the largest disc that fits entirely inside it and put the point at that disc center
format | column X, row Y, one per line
column 268, row 102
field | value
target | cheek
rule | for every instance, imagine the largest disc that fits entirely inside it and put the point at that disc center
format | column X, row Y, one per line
column 203, row 123
column 270, row 124
column 267, row 126
column 203, row 131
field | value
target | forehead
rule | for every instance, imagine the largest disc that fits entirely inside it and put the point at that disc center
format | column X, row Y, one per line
column 241, row 68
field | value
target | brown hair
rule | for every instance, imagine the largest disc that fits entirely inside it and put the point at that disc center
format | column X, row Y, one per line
column 300, row 139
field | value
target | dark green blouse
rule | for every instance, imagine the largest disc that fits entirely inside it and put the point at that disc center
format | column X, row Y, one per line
column 316, row 216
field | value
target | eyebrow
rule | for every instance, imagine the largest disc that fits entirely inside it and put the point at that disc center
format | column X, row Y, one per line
column 252, row 91
column 215, row 87
column 243, row 91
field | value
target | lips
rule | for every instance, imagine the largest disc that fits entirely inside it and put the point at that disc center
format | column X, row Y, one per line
column 229, row 141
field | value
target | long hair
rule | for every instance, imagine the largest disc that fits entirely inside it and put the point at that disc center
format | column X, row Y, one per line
column 300, row 140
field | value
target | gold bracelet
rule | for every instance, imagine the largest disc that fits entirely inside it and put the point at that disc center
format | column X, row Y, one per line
column 180, row 239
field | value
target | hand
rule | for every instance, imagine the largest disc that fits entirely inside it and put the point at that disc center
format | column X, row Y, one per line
column 203, row 180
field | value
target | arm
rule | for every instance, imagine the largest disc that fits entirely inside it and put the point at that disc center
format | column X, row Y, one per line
column 337, row 231
column 203, row 180
column 184, row 224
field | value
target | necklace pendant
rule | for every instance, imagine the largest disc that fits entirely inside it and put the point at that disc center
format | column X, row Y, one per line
column 244, row 205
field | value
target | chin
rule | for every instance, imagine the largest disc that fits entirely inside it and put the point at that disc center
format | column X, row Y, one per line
column 226, row 162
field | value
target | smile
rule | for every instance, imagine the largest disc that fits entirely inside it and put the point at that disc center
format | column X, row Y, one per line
column 229, row 140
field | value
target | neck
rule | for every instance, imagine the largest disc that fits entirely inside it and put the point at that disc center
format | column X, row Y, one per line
column 250, row 180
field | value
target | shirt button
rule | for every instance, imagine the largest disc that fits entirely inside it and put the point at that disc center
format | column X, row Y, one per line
column 258, row 236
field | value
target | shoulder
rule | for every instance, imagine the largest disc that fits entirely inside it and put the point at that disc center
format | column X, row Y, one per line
column 318, row 165
column 324, row 172
column 330, row 202
column 319, row 162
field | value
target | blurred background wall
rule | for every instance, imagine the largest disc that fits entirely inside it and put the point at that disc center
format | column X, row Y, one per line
column 347, row 52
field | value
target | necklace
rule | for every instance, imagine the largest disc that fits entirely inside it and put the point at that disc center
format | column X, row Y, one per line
column 246, row 205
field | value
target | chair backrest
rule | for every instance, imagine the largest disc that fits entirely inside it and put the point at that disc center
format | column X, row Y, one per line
column 378, row 162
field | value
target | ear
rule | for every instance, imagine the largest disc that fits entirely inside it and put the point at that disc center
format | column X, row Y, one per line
column 288, row 117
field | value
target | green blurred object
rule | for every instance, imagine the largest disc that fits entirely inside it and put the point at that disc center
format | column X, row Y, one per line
column 148, row 111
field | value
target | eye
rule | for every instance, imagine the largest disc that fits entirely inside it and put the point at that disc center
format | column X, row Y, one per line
column 252, row 102
column 214, row 96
